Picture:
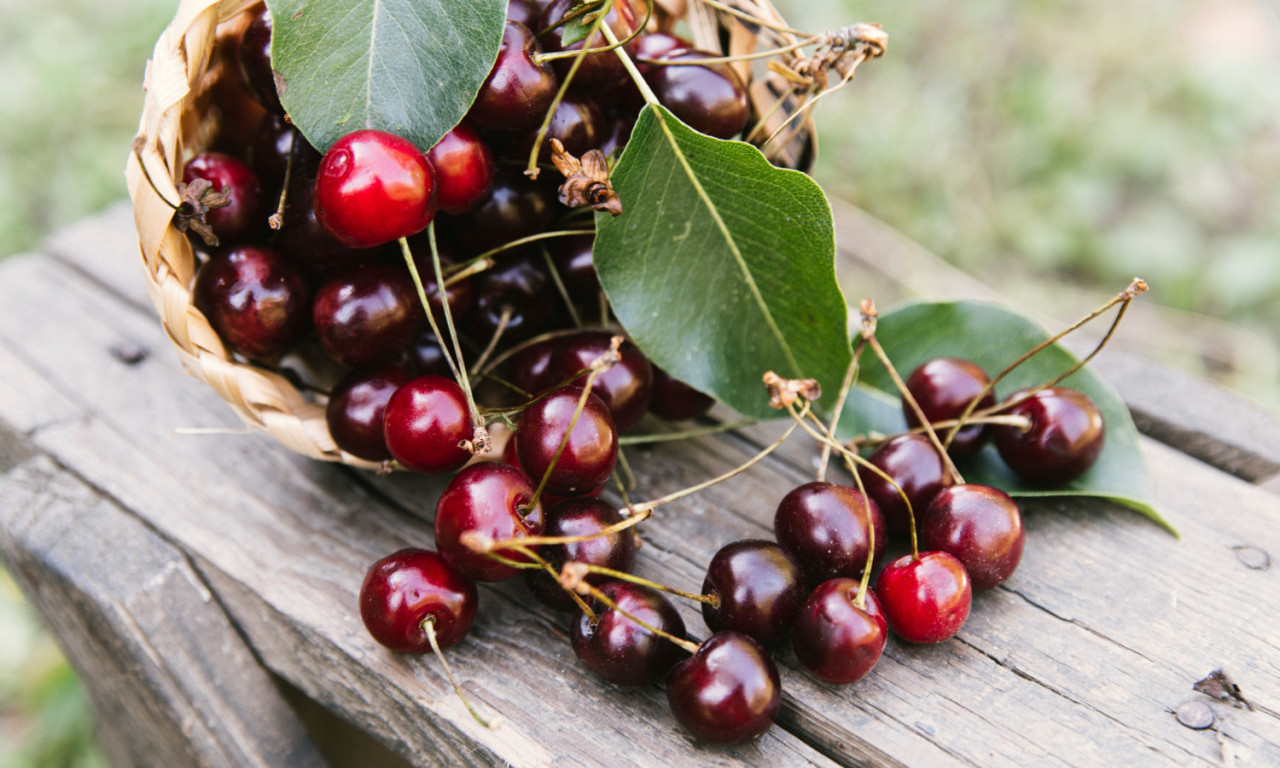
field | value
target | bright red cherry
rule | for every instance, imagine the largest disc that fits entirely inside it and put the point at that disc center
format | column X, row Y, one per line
column 925, row 599
column 835, row 638
column 759, row 587
column 943, row 388
column 590, row 453
column 404, row 590
column 257, row 301
column 356, row 410
column 491, row 500
column 582, row 517
column 825, row 526
column 1063, row 441
column 980, row 526
column 425, row 424
column 620, row 650
column 917, row 467
column 464, row 169
column 374, row 187
column 244, row 218
column 726, row 693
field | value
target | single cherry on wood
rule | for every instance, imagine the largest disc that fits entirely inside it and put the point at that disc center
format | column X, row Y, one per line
column 426, row 421
column 826, row 527
column 925, row 599
column 978, row 525
column 374, row 187
column 620, row 650
column 728, row 692
column 1064, row 438
column 489, row 499
column 581, row 517
column 835, row 638
column 404, row 590
column 757, row 586
column 943, row 387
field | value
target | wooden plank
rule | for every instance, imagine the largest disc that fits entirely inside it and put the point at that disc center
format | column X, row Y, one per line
column 171, row 681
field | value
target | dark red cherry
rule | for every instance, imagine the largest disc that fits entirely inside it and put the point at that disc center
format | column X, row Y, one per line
column 674, row 400
column 464, row 169
column 600, row 69
column 925, row 599
column 490, row 499
column 835, row 638
column 1063, row 441
column 943, row 388
column 620, row 650
column 244, row 218
column 581, row 517
column 917, row 467
column 368, row 314
column 274, row 142
column 527, row 12
column 256, row 300
column 356, row 409
column 518, row 90
column 759, row 587
column 516, row 295
column 708, row 97
column 825, row 526
column 528, row 369
column 404, row 590
column 625, row 388
column 458, row 294
column 255, row 62
column 515, row 207
column 576, row 267
column 726, row 693
column 590, row 453
column 617, row 132
column 424, row 357
column 577, row 123
column 374, row 187
column 980, row 526
column 425, row 423
column 302, row 238
column 655, row 45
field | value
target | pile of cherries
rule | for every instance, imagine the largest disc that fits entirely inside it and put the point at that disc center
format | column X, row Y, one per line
column 333, row 277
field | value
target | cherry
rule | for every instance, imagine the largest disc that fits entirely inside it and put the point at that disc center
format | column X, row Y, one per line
column 582, row 517
column 825, row 527
column 374, row 187
column 590, row 453
column 925, row 599
column 273, row 143
column 726, row 693
column 528, row 369
column 625, row 388
column 515, row 207
column 426, row 422
column 600, row 69
column 356, row 409
column 255, row 62
column 255, row 299
column 575, row 264
column 759, row 587
column 402, row 591
column 617, row 132
column 834, row 638
column 424, row 357
column 708, row 97
column 527, row 12
column 943, row 388
column 913, row 462
column 620, row 650
column 243, row 218
column 655, row 45
column 517, row 288
column 458, row 294
column 489, row 499
column 674, row 400
column 464, row 169
column 1065, row 437
column 577, row 123
column 978, row 525
column 518, row 90
column 302, row 237
column 368, row 314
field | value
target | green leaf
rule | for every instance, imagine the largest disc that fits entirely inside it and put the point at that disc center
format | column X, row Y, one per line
column 994, row 337
column 576, row 29
column 722, row 266
column 409, row 67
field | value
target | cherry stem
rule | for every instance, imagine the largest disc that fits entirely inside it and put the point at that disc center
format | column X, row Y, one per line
column 603, row 598
column 1136, row 288
column 426, row 306
column 754, row 20
column 503, row 321
column 488, row 255
column 685, row 434
column 522, row 346
column 429, row 627
column 472, row 268
column 538, row 541
column 573, row 422
column 809, row 103
column 847, row 384
column 649, row 505
column 648, row 14
column 625, row 467
column 621, row 485
column 985, row 416
column 769, row 113
column 540, row 563
column 573, row 570
column 276, row 220
column 564, row 292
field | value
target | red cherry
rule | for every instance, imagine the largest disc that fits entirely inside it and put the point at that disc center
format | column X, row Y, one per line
column 917, row 467
column 620, row 650
column 834, row 638
column 726, row 693
column 367, row 314
column 374, row 187
column 403, row 590
column 943, row 388
column 581, row 517
column 1064, row 439
column 590, row 453
column 464, row 169
column 425, row 423
column 244, row 217
column 759, row 586
column 980, row 526
column 625, row 388
column 825, row 527
column 925, row 599
column 255, row 299
column 489, row 499
column 674, row 400
column 519, row 89
column 255, row 62
column 357, row 409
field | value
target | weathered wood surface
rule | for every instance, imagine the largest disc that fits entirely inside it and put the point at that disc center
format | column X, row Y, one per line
column 1078, row 660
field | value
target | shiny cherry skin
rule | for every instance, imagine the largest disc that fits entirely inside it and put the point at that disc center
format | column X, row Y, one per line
column 374, row 187
column 356, row 410
column 302, row 238
column 603, row 68
column 760, row 588
column 836, row 639
column 367, row 315
column 425, row 423
column 626, row 387
column 674, row 400
column 943, row 388
column 581, row 517
column 726, row 693
column 577, row 123
column 274, row 142
column 1065, row 437
column 655, row 45
column 491, row 499
column 245, row 217
column 592, row 449
column 255, row 62
column 257, row 301
column 515, row 207
column 825, row 526
column 708, row 97
column 424, row 357
column 516, row 288
column 978, row 525
column 464, row 169
column 518, row 90
column 917, row 467
column 925, row 599
column 575, row 264
column 402, row 591
column 620, row 650
column 529, row 369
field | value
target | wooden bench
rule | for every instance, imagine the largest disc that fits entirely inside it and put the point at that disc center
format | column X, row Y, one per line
column 205, row 584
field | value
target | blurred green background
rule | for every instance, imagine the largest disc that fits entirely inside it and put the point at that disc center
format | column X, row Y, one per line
column 1053, row 149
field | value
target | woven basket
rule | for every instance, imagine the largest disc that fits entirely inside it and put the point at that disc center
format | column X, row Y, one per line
column 181, row 80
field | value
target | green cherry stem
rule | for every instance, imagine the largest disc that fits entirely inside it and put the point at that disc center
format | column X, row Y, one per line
column 573, row 570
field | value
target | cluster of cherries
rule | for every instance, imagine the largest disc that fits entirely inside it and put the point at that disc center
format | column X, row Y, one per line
column 328, row 270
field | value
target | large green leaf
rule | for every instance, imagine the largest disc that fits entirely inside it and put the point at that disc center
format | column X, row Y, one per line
column 410, row 67
column 722, row 266
column 993, row 337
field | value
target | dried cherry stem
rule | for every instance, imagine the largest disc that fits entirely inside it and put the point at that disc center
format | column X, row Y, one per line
column 276, row 220
column 754, row 20
column 984, row 416
column 598, row 366
column 539, row 541
column 522, row 346
column 488, row 255
column 504, row 320
column 429, row 628
column 773, row 110
column 850, row 375
column 573, row 571
column 586, row 588
column 749, row 463
column 686, row 434
column 542, row 58
column 564, row 292
column 766, row 54
column 540, row 563
column 1136, row 288
column 808, row 104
